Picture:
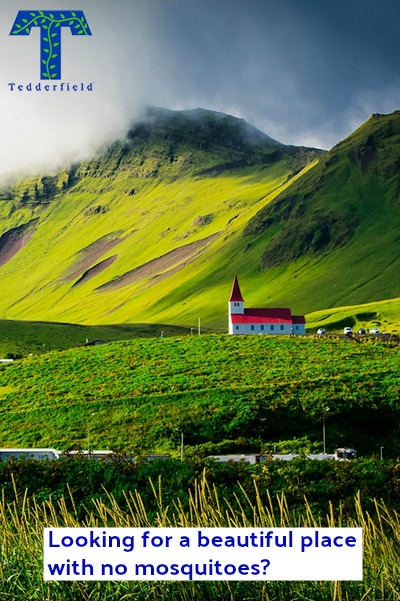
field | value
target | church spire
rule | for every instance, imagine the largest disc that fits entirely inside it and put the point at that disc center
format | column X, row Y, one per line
column 236, row 295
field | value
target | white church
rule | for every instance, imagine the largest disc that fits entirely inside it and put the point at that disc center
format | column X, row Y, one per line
column 261, row 321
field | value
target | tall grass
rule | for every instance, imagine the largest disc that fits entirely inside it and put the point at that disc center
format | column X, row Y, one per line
column 21, row 539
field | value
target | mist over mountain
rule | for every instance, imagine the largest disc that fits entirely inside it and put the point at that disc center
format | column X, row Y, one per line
column 306, row 73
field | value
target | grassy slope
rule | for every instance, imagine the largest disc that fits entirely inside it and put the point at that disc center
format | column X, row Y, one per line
column 358, row 181
column 384, row 314
column 213, row 388
column 161, row 215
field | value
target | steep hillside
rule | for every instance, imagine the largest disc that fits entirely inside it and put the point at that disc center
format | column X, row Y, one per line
column 107, row 241
column 336, row 231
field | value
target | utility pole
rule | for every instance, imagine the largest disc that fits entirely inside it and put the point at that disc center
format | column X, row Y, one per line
column 323, row 429
column 88, row 434
column 181, row 446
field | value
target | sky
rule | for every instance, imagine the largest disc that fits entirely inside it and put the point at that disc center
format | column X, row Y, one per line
column 306, row 72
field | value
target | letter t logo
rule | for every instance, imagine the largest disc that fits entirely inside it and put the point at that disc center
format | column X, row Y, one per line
column 50, row 23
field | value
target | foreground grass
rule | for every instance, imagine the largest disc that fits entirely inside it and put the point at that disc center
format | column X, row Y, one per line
column 21, row 535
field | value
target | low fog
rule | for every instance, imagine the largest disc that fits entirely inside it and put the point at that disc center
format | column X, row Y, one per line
column 305, row 73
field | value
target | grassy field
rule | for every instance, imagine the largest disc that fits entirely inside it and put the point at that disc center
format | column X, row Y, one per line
column 217, row 390
column 20, row 338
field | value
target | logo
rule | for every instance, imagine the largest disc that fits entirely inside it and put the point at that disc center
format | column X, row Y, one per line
column 51, row 23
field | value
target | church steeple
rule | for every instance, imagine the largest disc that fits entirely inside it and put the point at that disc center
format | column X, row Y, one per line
column 236, row 295
column 235, row 303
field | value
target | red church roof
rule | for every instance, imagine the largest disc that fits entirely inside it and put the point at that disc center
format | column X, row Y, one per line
column 281, row 314
column 236, row 295
column 263, row 316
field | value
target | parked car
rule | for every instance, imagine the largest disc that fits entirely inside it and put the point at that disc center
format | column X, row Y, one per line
column 361, row 331
column 321, row 331
column 375, row 331
column 347, row 330
column 345, row 454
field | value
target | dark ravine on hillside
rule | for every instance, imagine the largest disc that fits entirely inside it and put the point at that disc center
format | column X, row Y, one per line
column 12, row 241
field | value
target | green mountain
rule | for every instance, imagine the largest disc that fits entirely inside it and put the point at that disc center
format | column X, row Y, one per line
column 336, row 231
column 154, row 228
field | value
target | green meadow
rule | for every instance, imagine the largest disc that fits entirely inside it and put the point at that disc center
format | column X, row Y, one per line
column 134, row 247
column 224, row 393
